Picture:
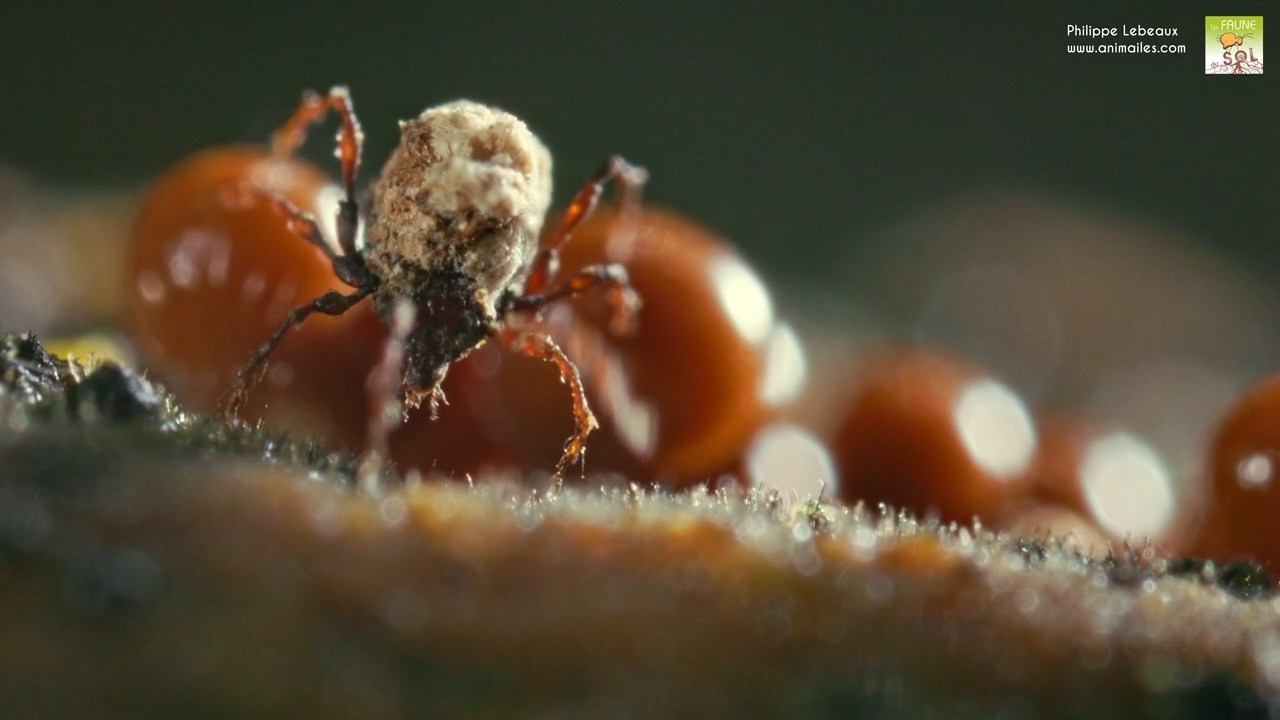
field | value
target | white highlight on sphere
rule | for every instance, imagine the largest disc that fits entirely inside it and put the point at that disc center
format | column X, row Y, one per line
column 787, row 458
column 1255, row 471
column 1127, row 487
column 743, row 297
column 995, row 428
column 785, row 369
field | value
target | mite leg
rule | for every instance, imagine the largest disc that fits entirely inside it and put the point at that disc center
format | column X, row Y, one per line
column 302, row 224
column 630, row 179
column 624, row 302
column 293, row 133
column 331, row 303
column 544, row 348
column 386, row 408
column 349, row 268
column 290, row 136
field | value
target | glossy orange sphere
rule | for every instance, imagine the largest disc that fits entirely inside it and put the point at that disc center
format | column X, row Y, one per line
column 929, row 433
column 1243, row 501
column 209, row 278
column 1114, row 479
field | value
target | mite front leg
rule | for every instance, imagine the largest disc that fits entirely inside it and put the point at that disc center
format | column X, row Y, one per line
column 349, row 268
column 301, row 224
column 314, row 107
column 543, row 347
column 629, row 177
column 624, row 302
column 293, row 133
column 331, row 303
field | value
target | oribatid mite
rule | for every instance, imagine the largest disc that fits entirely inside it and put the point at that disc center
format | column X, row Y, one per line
column 451, row 236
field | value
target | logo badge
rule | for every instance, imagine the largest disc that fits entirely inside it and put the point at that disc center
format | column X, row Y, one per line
column 1233, row 45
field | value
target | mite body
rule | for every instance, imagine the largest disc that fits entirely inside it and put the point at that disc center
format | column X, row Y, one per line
column 452, row 235
column 454, row 227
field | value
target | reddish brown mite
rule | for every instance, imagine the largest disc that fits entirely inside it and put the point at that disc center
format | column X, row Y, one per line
column 452, row 234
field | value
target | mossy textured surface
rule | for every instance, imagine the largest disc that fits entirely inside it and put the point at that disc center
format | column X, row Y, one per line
column 157, row 564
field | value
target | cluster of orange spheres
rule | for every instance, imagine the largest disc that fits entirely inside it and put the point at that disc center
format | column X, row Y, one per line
column 937, row 435
column 706, row 367
column 701, row 390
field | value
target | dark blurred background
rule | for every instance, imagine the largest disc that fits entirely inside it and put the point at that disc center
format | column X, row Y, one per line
column 791, row 128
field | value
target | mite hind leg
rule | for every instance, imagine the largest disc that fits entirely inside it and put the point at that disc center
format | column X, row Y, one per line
column 331, row 303
column 542, row 347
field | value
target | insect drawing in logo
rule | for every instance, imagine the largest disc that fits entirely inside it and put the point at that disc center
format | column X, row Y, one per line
column 1233, row 45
